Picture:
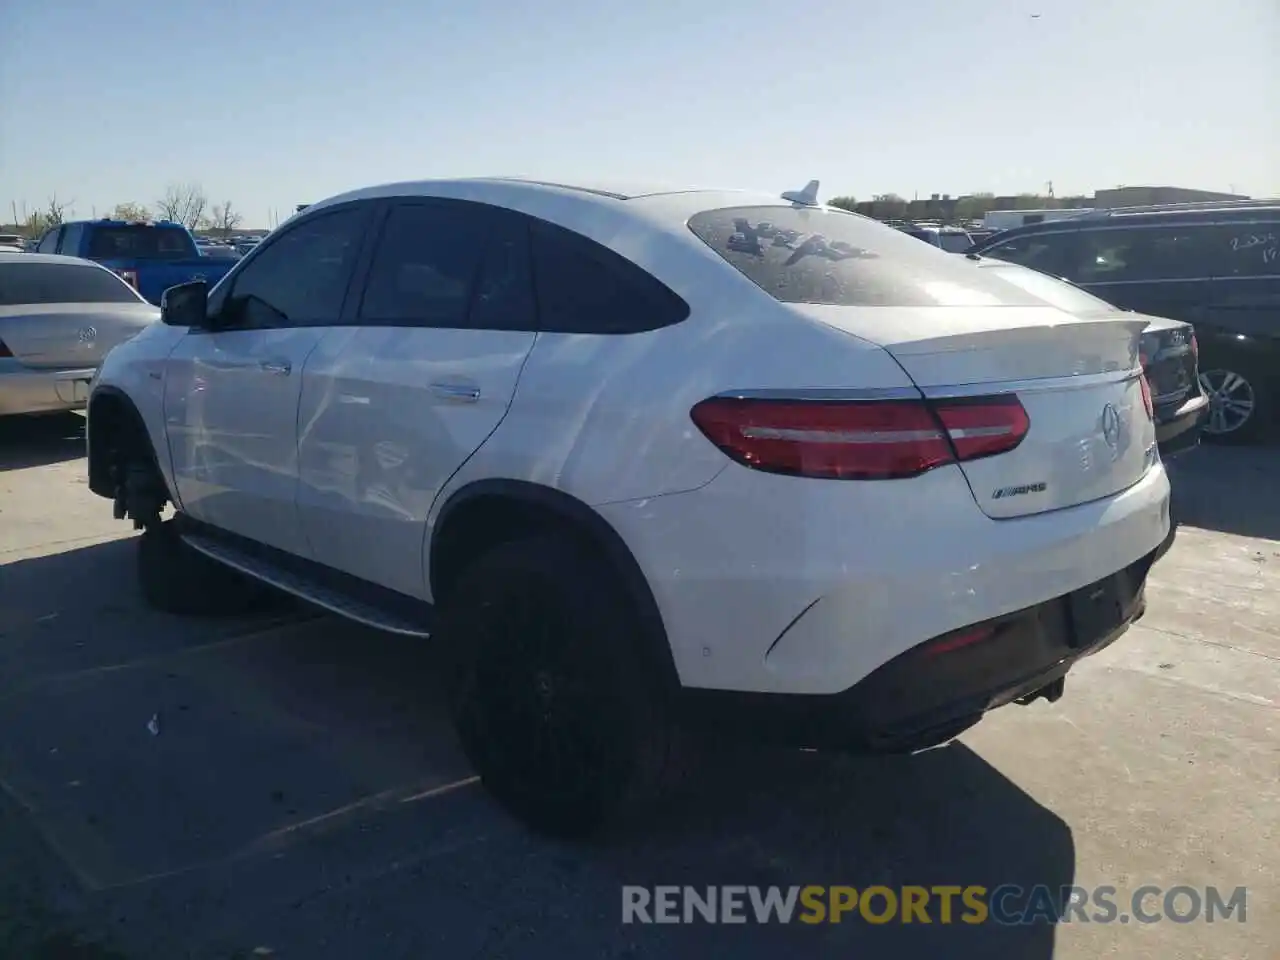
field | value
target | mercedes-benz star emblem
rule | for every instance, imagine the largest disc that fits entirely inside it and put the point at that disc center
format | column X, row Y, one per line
column 88, row 335
column 1111, row 426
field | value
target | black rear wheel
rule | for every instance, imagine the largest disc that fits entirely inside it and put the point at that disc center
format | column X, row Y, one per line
column 1240, row 405
column 560, row 716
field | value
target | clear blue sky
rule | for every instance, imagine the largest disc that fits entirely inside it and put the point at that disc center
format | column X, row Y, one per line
column 269, row 103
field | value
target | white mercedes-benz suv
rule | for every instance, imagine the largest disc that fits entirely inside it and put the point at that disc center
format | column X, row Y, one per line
column 642, row 462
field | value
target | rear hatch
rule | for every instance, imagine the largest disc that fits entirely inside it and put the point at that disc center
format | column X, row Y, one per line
column 959, row 331
column 1089, row 435
column 1169, row 358
column 70, row 335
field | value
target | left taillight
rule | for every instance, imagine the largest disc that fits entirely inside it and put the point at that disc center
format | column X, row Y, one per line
column 859, row 439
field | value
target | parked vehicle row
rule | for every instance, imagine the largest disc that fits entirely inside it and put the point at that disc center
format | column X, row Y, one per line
column 641, row 461
column 1215, row 266
column 151, row 256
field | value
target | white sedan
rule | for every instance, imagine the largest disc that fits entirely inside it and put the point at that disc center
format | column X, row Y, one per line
column 58, row 318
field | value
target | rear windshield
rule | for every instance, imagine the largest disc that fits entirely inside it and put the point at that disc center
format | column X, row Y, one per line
column 139, row 242
column 954, row 242
column 1060, row 293
column 805, row 255
column 23, row 283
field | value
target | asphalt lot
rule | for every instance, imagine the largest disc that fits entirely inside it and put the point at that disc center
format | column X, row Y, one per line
column 303, row 797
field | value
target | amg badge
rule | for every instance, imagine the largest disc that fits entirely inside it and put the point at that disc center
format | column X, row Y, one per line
column 1019, row 491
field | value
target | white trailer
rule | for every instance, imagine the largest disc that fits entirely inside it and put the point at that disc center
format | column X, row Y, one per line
column 1007, row 219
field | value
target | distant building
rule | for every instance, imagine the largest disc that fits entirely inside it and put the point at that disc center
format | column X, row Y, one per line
column 1141, row 196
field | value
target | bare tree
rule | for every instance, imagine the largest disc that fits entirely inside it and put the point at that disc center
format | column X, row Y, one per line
column 131, row 211
column 183, row 203
column 223, row 219
column 844, row 203
column 55, row 211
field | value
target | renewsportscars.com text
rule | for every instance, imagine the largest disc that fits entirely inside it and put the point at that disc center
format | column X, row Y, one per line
column 1008, row 904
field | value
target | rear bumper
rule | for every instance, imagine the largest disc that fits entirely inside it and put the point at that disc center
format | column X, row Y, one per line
column 935, row 691
column 1178, row 430
column 24, row 390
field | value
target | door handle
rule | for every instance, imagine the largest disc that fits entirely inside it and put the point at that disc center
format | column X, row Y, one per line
column 465, row 392
column 280, row 368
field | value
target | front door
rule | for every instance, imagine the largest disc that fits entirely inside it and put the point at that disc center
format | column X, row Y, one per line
column 394, row 404
column 232, row 391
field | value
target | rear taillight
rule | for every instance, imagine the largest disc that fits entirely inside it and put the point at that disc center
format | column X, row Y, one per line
column 5, row 351
column 860, row 440
column 1147, row 403
column 1195, row 348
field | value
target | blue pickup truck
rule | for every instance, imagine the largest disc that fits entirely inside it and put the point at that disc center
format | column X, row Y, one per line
column 151, row 255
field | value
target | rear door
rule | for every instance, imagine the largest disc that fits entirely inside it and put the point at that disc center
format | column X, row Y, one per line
column 394, row 404
column 57, row 314
column 231, row 392
column 1165, row 270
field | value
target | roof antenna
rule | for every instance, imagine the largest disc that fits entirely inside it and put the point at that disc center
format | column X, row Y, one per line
column 807, row 197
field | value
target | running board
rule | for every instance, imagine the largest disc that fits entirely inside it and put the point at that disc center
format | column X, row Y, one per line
column 307, row 588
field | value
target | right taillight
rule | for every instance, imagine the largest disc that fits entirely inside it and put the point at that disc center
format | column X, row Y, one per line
column 860, row 439
column 5, row 351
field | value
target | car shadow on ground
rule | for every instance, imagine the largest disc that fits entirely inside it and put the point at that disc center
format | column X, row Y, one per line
column 301, row 790
column 1230, row 489
column 39, row 441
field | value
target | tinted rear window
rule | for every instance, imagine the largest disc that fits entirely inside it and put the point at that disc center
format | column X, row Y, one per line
column 954, row 242
column 22, row 283
column 139, row 243
column 802, row 255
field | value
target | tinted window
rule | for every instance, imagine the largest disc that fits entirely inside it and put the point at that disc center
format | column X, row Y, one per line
column 1059, row 293
column 800, row 255
column 1147, row 253
column 1047, row 252
column 139, row 242
column 583, row 287
column 503, row 297
column 61, row 283
column 426, row 264
column 70, row 242
column 49, row 242
column 300, row 278
column 1252, row 250
column 954, row 242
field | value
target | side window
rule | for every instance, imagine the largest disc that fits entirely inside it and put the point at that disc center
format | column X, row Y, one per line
column 300, row 279
column 425, row 266
column 1047, row 252
column 69, row 245
column 1251, row 250
column 503, row 297
column 584, row 287
column 1148, row 253
column 49, row 242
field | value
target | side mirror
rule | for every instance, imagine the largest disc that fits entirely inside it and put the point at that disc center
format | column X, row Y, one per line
column 185, row 305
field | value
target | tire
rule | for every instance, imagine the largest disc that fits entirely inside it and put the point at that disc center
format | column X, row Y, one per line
column 175, row 578
column 565, row 722
column 1226, row 388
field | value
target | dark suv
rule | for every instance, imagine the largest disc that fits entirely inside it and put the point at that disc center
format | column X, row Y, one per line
column 1215, row 266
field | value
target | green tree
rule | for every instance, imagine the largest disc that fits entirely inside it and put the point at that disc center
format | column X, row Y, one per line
column 844, row 203
column 130, row 211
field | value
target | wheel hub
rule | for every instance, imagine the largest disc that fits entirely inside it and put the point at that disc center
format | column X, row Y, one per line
column 1231, row 400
